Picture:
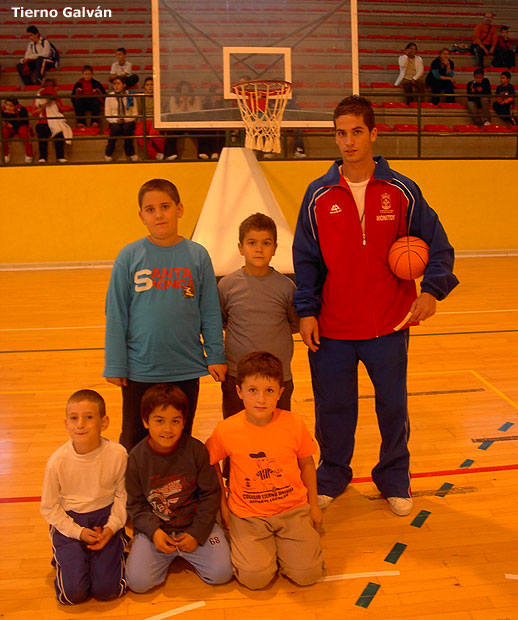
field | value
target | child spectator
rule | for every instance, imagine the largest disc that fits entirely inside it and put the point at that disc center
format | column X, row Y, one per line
column 273, row 489
column 173, row 497
column 121, row 112
column 121, row 67
column 87, row 87
column 411, row 69
column 84, row 501
column 162, row 297
column 158, row 146
column 51, row 125
column 15, row 122
column 479, row 93
column 505, row 98
column 256, row 304
column 39, row 57
column 440, row 77
column 504, row 54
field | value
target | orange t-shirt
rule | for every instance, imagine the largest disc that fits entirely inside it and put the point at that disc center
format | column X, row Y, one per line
column 264, row 473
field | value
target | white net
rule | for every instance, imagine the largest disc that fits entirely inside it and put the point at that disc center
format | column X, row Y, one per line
column 262, row 104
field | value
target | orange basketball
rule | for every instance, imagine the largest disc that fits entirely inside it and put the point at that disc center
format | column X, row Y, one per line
column 408, row 257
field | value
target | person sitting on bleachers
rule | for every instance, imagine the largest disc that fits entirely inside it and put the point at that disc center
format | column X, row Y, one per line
column 440, row 78
column 15, row 121
column 122, row 67
column 51, row 125
column 411, row 69
column 39, row 57
column 505, row 99
column 484, row 39
column 479, row 93
column 82, row 105
column 504, row 54
column 121, row 111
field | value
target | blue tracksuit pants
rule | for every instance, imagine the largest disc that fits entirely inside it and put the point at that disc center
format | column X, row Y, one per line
column 334, row 373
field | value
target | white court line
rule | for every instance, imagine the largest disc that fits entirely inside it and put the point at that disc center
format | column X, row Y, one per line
column 511, row 576
column 178, row 610
column 386, row 573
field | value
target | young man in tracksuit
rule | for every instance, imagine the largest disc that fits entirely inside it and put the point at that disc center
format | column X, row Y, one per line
column 350, row 303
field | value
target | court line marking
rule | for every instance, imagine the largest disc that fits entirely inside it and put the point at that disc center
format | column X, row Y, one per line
column 178, row 610
column 385, row 573
column 509, row 576
column 424, row 474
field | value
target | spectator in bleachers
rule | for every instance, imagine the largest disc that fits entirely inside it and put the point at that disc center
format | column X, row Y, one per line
column 484, row 39
column 184, row 100
column 210, row 145
column 504, row 54
column 15, row 122
column 411, row 69
column 158, row 145
column 120, row 110
column 51, row 125
column 479, row 94
column 505, row 99
column 122, row 67
column 83, row 104
column 440, row 78
column 39, row 57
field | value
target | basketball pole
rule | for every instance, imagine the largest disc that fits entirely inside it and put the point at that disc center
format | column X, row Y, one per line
column 355, row 64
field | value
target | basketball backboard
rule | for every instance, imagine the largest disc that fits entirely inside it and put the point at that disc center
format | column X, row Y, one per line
column 200, row 48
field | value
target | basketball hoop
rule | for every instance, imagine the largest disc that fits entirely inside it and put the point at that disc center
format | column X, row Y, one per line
column 262, row 104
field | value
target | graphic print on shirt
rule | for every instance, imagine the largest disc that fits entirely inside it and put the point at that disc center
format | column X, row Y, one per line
column 267, row 484
column 163, row 498
column 162, row 279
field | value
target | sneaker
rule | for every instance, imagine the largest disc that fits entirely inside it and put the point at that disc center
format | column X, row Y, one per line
column 214, row 156
column 108, row 158
column 401, row 506
column 7, row 158
column 159, row 156
column 134, row 157
column 324, row 501
column 171, row 157
column 203, row 156
column 299, row 153
column 42, row 161
column 62, row 160
column 28, row 159
column 487, row 123
column 268, row 156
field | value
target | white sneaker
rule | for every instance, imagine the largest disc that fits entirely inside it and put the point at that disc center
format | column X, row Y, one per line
column 7, row 158
column 214, row 156
column 28, row 159
column 268, row 156
column 299, row 154
column 400, row 506
column 487, row 123
column 159, row 156
column 134, row 157
column 203, row 156
column 42, row 161
column 172, row 157
column 62, row 160
column 324, row 501
column 108, row 158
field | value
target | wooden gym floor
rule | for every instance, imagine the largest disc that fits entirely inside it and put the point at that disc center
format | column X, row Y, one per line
column 454, row 558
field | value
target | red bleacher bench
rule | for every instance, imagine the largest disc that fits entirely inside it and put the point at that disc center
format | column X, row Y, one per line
column 383, row 85
column 394, row 104
column 384, row 127
column 405, row 127
column 437, row 127
column 499, row 129
column 451, row 106
column 467, row 128
column 424, row 104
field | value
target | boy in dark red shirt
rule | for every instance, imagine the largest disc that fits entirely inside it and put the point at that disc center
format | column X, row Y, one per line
column 88, row 102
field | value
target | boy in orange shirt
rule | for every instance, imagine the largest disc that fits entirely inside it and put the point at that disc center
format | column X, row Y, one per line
column 273, row 504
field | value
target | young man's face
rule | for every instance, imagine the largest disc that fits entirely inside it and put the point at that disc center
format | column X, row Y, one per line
column 258, row 248
column 85, row 425
column 411, row 51
column 148, row 87
column 478, row 78
column 504, row 80
column 165, row 426
column 34, row 37
column 488, row 18
column 354, row 139
column 121, row 57
column 260, row 396
column 87, row 75
column 118, row 85
column 160, row 214
column 10, row 108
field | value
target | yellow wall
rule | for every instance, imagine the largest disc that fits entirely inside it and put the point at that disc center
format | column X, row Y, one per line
column 87, row 213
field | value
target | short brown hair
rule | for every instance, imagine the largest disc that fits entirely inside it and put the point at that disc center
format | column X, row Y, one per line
column 92, row 397
column 257, row 221
column 159, row 185
column 260, row 364
column 356, row 106
column 163, row 395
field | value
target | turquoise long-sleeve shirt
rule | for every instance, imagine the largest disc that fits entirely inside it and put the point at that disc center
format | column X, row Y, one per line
column 161, row 301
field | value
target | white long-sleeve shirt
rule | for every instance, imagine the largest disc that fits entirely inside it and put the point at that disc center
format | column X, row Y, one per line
column 84, row 483
column 41, row 48
column 403, row 62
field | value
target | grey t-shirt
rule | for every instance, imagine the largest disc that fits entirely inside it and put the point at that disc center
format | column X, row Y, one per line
column 258, row 315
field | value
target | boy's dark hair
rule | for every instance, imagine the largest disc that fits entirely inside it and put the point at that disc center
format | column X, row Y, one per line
column 478, row 71
column 88, row 68
column 409, row 45
column 163, row 395
column 148, row 79
column 12, row 100
column 159, row 185
column 121, row 49
column 32, row 30
column 257, row 221
column 122, row 78
column 356, row 106
column 504, row 28
column 260, row 364
column 507, row 74
column 92, row 397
